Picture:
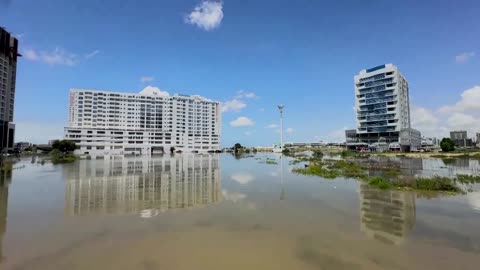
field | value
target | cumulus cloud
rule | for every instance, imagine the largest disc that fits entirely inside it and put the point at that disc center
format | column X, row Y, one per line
column 145, row 79
column 235, row 105
column 463, row 115
column 464, row 57
column 207, row 15
column 469, row 102
column 272, row 126
column 57, row 57
column 243, row 177
column 154, row 91
column 242, row 122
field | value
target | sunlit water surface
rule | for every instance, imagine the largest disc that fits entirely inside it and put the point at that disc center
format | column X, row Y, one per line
column 218, row 212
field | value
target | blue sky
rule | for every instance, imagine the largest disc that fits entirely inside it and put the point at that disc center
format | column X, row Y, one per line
column 251, row 55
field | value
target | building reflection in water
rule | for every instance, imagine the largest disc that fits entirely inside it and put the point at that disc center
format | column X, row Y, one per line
column 5, row 178
column 144, row 185
column 387, row 216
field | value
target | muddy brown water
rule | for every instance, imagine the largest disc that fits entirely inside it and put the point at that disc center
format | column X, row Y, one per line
column 218, row 212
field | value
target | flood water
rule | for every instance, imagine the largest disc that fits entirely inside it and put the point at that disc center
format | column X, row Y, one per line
column 219, row 212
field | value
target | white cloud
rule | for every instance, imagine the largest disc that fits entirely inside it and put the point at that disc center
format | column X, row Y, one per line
column 290, row 130
column 272, row 126
column 464, row 57
column 245, row 94
column 463, row 121
column 242, row 122
column 145, row 79
column 57, row 57
column 463, row 115
column 243, row 177
column 38, row 132
column 92, row 54
column 154, row 91
column 470, row 101
column 30, row 55
column 207, row 15
column 235, row 105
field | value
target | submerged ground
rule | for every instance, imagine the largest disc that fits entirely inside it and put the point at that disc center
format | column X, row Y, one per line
column 225, row 212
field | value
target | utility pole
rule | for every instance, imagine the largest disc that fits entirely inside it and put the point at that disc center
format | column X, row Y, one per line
column 280, row 108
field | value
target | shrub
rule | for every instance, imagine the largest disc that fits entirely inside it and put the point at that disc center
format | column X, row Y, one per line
column 379, row 182
column 447, row 145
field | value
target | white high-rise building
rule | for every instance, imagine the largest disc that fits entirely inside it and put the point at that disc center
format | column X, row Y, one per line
column 382, row 104
column 103, row 122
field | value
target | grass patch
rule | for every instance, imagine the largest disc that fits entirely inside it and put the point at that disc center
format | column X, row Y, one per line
column 435, row 183
column 379, row 182
column 318, row 170
column 468, row 179
column 7, row 166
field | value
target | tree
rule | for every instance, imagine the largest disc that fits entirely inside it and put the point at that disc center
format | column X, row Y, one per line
column 64, row 146
column 237, row 147
column 447, row 145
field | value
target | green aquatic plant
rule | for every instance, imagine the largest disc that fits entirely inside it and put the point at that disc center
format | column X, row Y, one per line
column 379, row 182
column 468, row 179
column 435, row 183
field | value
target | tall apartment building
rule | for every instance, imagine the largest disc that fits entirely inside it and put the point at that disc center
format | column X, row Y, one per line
column 478, row 140
column 103, row 122
column 8, row 73
column 381, row 103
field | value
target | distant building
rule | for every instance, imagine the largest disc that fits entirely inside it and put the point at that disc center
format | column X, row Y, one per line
column 410, row 139
column 103, row 122
column 351, row 135
column 460, row 139
column 478, row 140
column 8, row 74
column 382, row 104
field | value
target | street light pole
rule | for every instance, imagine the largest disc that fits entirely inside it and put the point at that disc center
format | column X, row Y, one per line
column 280, row 108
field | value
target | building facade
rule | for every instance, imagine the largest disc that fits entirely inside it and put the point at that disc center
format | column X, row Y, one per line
column 460, row 138
column 382, row 104
column 478, row 140
column 410, row 139
column 8, row 73
column 103, row 122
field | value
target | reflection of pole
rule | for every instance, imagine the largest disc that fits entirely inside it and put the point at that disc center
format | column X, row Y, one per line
column 282, row 193
column 280, row 107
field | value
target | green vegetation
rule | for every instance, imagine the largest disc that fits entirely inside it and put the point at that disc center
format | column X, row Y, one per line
column 468, row 179
column 379, row 182
column 435, row 183
column 271, row 161
column 332, row 169
column 318, row 170
column 58, row 157
column 447, row 145
column 62, row 152
column 64, row 146
column 7, row 166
